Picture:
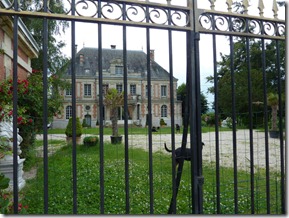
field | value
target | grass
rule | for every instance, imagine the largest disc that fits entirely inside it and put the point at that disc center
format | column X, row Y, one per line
column 133, row 130
column 60, row 185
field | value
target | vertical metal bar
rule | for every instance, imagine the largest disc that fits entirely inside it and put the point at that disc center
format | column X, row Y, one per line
column 282, row 166
column 45, row 109
column 101, row 151
column 73, row 82
column 127, row 208
column 195, row 118
column 233, row 86
column 266, row 125
column 172, row 102
column 100, row 82
column 149, row 115
column 15, row 111
column 199, row 146
column 216, row 97
column 150, row 122
column 250, row 125
column 192, row 121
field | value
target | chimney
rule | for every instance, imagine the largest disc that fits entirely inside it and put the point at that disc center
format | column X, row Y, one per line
column 152, row 55
column 112, row 46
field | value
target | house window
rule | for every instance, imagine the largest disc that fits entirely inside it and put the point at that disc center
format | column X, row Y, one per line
column 133, row 89
column 104, row 89
column 68, row 112
column 147, row 90
column 87, row 89
column 119, row 88
column 68, row 92
column 164, row 111
column 164, row 91
column 118, row 70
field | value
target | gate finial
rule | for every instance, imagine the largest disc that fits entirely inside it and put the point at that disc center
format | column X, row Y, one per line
column 275, row 9
column 212, row 4
column 245, row 5
column 261, row 8
column 229, row 3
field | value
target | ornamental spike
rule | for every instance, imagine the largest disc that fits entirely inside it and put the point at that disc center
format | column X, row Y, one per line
column 275, row 9
column 261, row 8
column 212, row 4
column 245, row 5
column 229, row 3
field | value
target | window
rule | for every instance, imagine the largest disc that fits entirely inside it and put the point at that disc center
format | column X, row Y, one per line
column 68, row 112
column 164, row 111
column 104, row 89
column 87, row 89
column 164, row 91
column 133, row 89
column 119, row 70
column 68, row 92
column 119, row 88
column 147, row 90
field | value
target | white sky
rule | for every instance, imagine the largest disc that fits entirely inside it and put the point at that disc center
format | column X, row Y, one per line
column 87, row 36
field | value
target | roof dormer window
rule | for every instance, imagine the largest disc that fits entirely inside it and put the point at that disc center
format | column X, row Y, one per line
column 119, row 70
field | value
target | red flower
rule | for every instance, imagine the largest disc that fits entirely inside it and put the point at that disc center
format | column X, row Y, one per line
column 19, row 119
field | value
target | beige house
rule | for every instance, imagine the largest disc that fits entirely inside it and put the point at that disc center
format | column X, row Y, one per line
column 87, row 88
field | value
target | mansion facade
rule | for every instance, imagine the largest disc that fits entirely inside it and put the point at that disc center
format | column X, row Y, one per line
column 87, row 89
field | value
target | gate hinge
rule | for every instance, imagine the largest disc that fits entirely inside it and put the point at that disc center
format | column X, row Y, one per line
column 201, row 180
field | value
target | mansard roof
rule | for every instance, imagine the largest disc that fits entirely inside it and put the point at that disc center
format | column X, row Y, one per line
column 87, row 61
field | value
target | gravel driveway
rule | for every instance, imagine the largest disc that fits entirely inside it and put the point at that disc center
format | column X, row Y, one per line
column 209, row 150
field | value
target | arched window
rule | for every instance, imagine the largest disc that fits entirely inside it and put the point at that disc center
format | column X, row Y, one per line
column 68, row 112
column 164, row 111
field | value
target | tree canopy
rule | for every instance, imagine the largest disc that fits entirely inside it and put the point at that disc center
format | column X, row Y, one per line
column 240, row 73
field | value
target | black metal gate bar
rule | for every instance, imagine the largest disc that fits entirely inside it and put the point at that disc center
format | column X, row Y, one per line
column 15, row 112
column 45, row 111
column 252, row 186
column 101, row 112
column 282, row 166
column 216, row 105
column 266, row 125
column 149, row 108
column 73, row 82
column 234, row 124
column 125, row 84
column 171, row 72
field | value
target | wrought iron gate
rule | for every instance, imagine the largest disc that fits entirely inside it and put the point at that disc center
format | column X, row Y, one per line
column 195, row 23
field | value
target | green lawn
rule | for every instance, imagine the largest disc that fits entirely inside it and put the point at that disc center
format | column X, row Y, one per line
column 88, row 185
column 132, row 130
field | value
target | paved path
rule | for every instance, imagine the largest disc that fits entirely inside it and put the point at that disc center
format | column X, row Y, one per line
column 209, row 150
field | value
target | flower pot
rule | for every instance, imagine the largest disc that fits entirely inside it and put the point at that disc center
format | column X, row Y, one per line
column 274, row 134
column 69, row 140
column 116, row 139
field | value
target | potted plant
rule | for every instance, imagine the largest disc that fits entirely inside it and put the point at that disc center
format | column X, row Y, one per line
column 68, row 131
column 113, row 100
column 90, row 140
column 273, row 102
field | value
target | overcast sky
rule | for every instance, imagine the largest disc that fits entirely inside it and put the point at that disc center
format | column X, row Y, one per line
column 87, row 36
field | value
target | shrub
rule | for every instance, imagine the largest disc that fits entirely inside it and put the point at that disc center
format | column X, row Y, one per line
column 84, row 124
column 68, row 130
column 90, row 140
column 162, row 122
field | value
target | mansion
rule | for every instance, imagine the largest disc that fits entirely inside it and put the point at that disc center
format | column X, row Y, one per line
column 87, row 88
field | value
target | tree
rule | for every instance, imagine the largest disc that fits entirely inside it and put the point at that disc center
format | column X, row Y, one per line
column 113, row 100
column 182, row 91
column 57, row 64
column 55, row 56
column 240, row 72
